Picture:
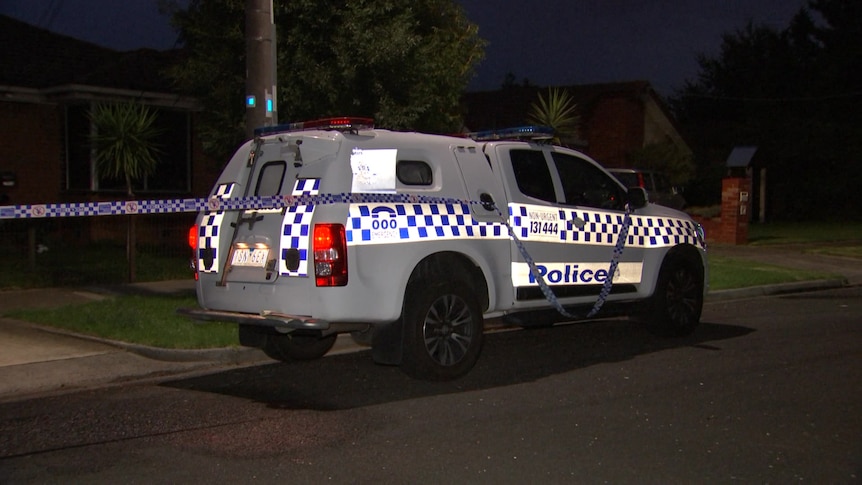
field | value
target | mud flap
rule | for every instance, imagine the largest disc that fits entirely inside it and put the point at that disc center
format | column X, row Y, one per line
column 387, row 345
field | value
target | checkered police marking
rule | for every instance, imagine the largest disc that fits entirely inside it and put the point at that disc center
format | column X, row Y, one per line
column 296, row 228
column 393, row 223
column 542, row 223
column 208, row 232
column 404, row 223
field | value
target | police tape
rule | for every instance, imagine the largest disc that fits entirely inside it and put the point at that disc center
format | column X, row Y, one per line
column 215, row 204
column 212, row 204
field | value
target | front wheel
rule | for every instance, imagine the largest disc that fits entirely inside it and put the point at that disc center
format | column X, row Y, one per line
column 442, row 331
column 289, row 347
column 676, row 305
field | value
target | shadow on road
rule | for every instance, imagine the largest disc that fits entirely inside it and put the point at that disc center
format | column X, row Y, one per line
column 352, row 380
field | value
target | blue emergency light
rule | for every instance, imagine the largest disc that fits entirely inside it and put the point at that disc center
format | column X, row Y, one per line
column 531, row 132
column 250, row 101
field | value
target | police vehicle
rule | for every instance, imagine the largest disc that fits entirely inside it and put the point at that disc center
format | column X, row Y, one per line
column 409, row 241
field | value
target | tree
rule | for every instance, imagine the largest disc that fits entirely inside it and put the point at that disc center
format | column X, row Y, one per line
column 793, row 93
column 124, row 141
column 558, row 111
column 404, row 62
column 667, row 158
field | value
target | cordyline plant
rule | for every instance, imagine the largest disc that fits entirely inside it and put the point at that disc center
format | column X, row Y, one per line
column 558, row 111
column 124, row 142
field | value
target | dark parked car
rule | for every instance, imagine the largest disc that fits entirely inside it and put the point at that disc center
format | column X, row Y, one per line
column 658, row 188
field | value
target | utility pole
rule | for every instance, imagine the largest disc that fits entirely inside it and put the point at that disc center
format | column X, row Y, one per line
column 260, row 83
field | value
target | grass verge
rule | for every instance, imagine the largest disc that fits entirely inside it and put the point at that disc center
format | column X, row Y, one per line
column 805, row 233
column 728, row 273
column 147, row 320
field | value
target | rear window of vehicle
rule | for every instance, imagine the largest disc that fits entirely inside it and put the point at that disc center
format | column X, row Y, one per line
column 270, row 179
column 414, row 172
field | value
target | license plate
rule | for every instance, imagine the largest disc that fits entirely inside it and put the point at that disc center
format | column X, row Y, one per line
column 254, row 257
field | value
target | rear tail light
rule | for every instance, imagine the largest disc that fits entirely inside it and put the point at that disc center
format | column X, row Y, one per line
column 193, row 243
column 193, row 237
column 330, row 255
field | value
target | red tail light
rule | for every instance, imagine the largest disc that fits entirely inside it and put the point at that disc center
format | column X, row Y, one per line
column 193, row 243
column 193, row 237
column 330, row 255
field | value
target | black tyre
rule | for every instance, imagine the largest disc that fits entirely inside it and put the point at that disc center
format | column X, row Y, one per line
column 676, row 305
column 289, row 347
column 442, row 331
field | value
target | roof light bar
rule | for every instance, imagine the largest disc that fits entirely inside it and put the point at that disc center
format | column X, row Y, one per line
column 341, row 123
column 531, row 132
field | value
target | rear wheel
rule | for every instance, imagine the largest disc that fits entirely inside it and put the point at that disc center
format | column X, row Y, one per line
column 290, row 347
column 675, row 308
column 442, row 331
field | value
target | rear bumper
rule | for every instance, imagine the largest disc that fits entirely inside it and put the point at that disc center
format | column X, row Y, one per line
column 264, row 319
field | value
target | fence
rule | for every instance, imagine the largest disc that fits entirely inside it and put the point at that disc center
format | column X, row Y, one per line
column 81, row 251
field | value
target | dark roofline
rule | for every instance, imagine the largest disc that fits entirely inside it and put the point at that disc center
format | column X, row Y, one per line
column 35, row 58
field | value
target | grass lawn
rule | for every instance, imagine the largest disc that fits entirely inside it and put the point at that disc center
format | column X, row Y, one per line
column 804, row 233
column 147, row 320
column 727, row 273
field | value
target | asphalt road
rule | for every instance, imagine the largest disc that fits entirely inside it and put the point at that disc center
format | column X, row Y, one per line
column 766, row 391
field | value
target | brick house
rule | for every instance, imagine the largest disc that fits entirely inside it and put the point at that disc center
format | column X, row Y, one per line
column 48, row 82
column 616, row 118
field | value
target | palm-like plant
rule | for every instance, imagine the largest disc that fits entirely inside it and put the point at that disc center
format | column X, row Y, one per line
column 558, row 111
column 124, row 141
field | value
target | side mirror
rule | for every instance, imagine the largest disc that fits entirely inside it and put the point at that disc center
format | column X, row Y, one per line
column 637, row 197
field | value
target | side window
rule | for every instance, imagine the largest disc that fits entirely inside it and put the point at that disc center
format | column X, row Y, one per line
column 414, row 172
column 586, row 184
column 532, row 174
column 270, row 179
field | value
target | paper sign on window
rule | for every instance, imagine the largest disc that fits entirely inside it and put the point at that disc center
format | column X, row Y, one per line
column 373, row 170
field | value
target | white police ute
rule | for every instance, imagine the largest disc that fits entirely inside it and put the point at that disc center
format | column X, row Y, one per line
column 409, row 241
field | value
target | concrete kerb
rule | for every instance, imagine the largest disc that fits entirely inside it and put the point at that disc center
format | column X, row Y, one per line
column 776, row 289
column 227, row 355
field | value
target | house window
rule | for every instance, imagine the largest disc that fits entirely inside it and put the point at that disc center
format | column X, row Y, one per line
column 173, row 170
column 79, row 170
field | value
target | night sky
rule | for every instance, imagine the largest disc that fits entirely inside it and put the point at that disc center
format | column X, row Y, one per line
column 546, row 41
